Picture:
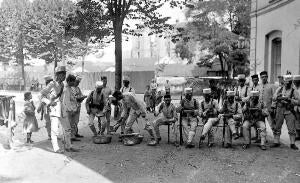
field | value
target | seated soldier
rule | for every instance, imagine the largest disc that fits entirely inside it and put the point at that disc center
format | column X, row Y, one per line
column 132, row 108
column 94, row 107
column 209, row 112
column 232, row 115
column 169, row 116
column 255, row 114
column 189, row 108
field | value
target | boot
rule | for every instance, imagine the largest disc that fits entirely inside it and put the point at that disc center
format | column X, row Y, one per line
column 93, row 129
column 152, row 143
column 294, row 147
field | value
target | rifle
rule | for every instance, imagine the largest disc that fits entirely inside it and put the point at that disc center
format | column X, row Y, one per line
column 180, row 123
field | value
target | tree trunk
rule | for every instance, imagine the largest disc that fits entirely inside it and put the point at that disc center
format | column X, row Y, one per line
column 222, row 67
column 20, row 57
column 85, row 53
column 118, row 57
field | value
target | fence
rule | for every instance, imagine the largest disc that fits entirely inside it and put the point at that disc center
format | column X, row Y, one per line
column 138, row 79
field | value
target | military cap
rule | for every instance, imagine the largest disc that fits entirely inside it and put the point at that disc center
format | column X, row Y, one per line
column 263, row 73
column 60, row 69
column 188, row 90
column 254, row 93
column 241, row 77
column 48, row 78
column 99, row 83
column 255, row 76
column 296, row 78
column 207, row 91
column 287, row 78
column 230, row 93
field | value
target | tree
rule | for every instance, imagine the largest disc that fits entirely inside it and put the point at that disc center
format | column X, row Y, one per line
column 48, row 38
column 217, row 26
column 15, row 15
column 144, row 14
column 88, row 24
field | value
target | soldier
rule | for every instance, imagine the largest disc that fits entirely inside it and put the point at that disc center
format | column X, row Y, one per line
column 255, row 86
column 284, row 101
column 130, row 103
column 58, row 110
column 168, row 116
column 126, row 86
column 189, row 108
column 215, row 91
column 79, row 98
column 209, row 109
column 71, row 104
column 232, row 114
column 242, row 91
column 106, row 93
column 45, row 109
column 94, row 107
column 254, row 113
column 297, row 108
column 267, row 91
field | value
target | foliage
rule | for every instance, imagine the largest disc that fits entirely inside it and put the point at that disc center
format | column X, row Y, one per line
column 128, row 17
column 217, row 26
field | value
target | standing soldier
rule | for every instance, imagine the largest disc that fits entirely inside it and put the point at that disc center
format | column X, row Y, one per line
column 94, row 106
column 255, row 113
column 255, row 86
column 232, row 114
column 209, row 109
column 45, row 110
column 242, row 91
column 126, row 86
column 132, row 109
column 106, row 93
column 284, row 101
column 297, row 108
column 169, row 116
column 79, row 98
column 189, row 108
column 266, row 94
column 57, row 110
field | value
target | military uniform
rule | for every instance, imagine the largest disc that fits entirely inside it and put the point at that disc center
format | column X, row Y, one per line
column 189, row 119
column 209, row 113
column 78, row 95
column 132, row 108
column 58, row 113
column 242, row 93
column 236, row 110
column 95, row 105
column 297, row 110
column 167, row 116
column 285, row 110
column 266, row 94
column 46, row 111
column 254, row 115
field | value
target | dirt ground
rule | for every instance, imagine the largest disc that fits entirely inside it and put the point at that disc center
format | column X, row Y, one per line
column 164, row 163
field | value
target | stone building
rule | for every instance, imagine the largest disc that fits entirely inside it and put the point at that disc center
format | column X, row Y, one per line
column 275, row 37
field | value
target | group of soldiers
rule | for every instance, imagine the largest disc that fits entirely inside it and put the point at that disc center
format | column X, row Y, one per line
column 240, row 109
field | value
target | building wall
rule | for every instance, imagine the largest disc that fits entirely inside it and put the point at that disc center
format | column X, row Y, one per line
column 279, row 19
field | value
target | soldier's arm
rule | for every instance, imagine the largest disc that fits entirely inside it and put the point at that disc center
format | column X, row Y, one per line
column 87, row 102
column 274, row 98
column 216, row 106
column 296, row 99
column 239, row 113
column 245, row 99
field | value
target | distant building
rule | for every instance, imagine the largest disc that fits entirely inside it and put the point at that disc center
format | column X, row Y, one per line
column 275, row 37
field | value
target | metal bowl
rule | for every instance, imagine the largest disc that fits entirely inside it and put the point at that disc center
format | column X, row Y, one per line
column 103, row 139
